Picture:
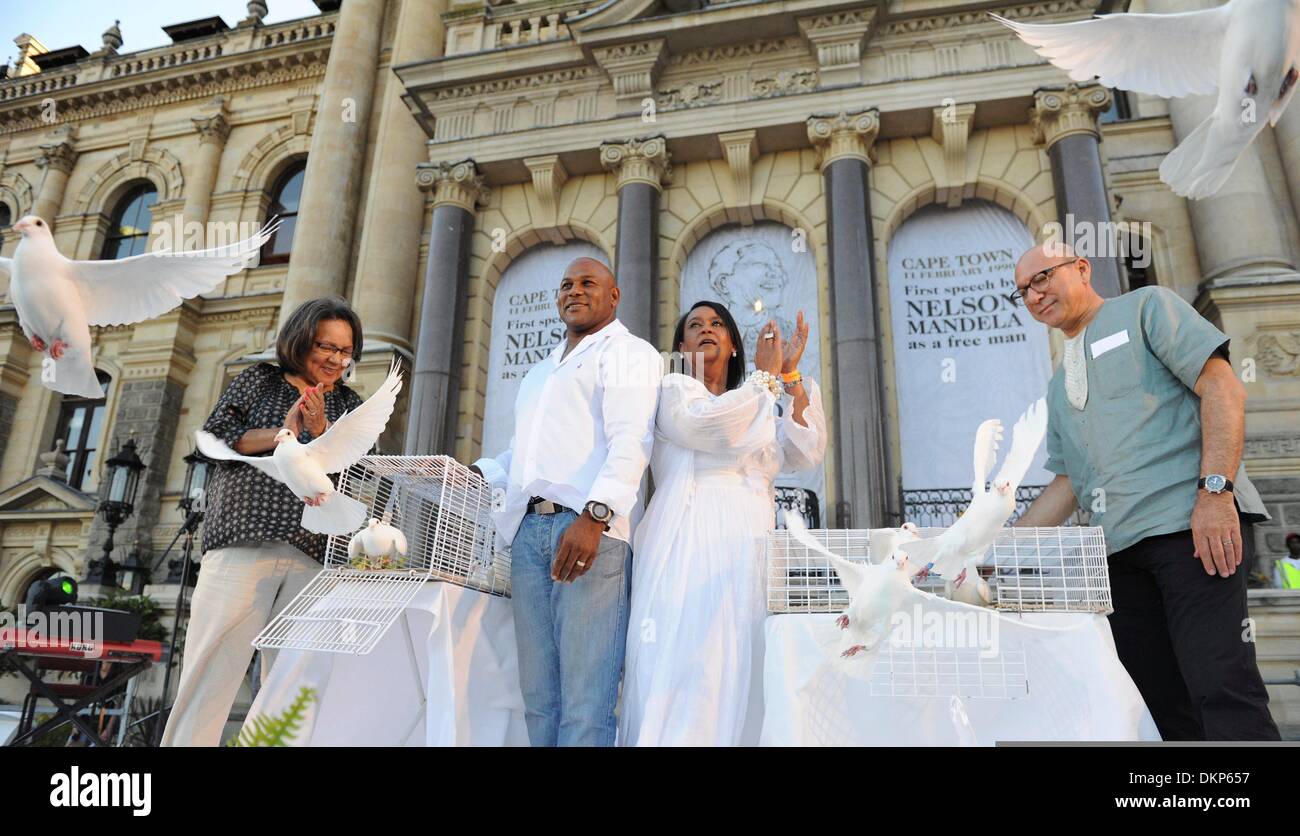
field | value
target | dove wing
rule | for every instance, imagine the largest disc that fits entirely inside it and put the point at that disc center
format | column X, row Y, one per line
column 1167, row 55
column 920, row 553
column 354, row 545
column 851, row 574
column 356, row 432
column 986, row 452
column 127, row 290
column 6, row 267
column 215, row 448
column 1025, row 439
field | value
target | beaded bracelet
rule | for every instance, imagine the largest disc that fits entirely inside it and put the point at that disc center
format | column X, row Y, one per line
column 767, row 380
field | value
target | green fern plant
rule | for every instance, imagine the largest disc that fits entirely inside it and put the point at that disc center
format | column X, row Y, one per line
column 275, row 731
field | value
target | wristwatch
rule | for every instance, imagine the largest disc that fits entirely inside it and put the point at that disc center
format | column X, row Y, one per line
column 600, row 512
column 1214, row 483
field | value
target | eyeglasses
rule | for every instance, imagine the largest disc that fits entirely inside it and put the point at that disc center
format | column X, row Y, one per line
column 1039, row 282
column 330, row 350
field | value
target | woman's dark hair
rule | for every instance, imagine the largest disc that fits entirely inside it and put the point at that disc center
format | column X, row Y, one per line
column 736, row 364
column 297, row 337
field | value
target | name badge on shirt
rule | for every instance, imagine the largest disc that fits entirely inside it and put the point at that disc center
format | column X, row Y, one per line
column 1105, row 344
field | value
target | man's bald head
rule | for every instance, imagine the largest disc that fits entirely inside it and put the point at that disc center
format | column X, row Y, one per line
column 1039, row 258
column 588, row 266
column 588, row 296
column 1055, row 285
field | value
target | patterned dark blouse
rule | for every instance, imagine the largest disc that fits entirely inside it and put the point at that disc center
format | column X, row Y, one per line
column 245, row 505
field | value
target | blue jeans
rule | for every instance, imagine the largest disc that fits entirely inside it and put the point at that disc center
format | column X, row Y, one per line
column 571, row 636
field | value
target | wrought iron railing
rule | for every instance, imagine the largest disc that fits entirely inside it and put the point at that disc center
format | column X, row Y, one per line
column 940, row 507
column 797, row 500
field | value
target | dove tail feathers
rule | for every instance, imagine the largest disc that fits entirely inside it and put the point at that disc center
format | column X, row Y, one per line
column 338, row 514
column 1202, row 162
column 72, row 376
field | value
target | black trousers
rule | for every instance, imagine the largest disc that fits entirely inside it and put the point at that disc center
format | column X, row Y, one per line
column 1183, row 636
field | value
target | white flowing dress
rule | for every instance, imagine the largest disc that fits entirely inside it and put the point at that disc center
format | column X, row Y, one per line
column 693, row 670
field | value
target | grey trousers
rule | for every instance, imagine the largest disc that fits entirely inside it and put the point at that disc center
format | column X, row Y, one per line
column 240, row 590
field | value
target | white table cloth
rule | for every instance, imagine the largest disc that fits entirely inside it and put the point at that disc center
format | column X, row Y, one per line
column 1076, row 690
column 446, row 674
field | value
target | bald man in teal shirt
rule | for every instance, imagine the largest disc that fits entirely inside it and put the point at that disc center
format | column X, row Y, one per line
column 1146, row 427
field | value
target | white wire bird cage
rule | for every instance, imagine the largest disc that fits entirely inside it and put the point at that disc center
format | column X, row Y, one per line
column 1028, row 570
column 957, row 672
column 444, row 511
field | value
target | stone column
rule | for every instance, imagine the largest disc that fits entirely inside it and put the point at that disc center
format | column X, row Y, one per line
column 322, row 245
column 1065, row 120
column 458, row 190
column 642, row 166
column 201, row 179
column 390, row 234
column 1238, row 233
column 1288, row 146
column 56, row 162
column 844, row 143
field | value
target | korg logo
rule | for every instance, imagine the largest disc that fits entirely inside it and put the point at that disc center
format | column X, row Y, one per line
column 117, row 789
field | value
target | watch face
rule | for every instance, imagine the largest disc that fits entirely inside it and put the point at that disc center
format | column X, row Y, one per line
column 1215, row 483
column 599, row 510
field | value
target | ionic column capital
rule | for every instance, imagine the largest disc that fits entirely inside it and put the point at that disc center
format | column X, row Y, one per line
column 1058, row 113
column 844, row 135
column 643, row 160
column 458, row 184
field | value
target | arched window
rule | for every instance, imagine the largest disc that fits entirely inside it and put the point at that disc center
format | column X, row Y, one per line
column 284, row 205
column 128, row 233
column 6, row 220
column 81, row 423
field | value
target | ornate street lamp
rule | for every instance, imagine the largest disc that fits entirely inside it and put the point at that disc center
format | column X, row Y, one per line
column 116, row 504
column 198, row 473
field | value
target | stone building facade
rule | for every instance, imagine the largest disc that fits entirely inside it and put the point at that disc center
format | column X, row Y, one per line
column 445, row 143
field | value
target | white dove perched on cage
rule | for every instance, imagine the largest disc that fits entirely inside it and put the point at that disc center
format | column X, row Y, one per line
column 305, row 467
column 58, row 299
column 876, row 590
column 1247, row 49
column 964, row 544
column 377, row 546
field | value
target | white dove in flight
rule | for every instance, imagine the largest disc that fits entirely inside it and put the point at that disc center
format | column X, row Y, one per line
column 58, row 299
column 970, row 537
column 304, row 467
column 379, row 542
column 1247, row 50
column 876, row 590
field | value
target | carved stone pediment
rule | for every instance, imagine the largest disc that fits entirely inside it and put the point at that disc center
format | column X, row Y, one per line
column 41, row 495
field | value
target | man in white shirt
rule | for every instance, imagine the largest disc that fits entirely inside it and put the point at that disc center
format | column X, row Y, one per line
column 584, row 426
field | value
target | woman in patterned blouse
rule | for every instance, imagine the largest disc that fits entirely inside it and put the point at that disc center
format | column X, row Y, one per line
column 256, row 554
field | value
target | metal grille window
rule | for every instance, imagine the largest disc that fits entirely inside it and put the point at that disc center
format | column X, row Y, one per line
column 128, row 234
column 285, row 198
column 81, row 423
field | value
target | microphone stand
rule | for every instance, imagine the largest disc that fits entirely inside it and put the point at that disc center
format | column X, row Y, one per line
column 192, row 520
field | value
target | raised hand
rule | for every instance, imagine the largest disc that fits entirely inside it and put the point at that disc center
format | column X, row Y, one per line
column 768, row 353
column 793, row 350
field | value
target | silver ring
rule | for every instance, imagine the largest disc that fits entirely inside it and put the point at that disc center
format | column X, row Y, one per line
column 583, row 565
column 769, row 336
column 1227, row 542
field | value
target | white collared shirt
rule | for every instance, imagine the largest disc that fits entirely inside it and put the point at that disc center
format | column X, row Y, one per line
column 584, row 427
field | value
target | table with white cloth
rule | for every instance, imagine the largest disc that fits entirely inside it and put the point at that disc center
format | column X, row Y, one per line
column 445, row 674
column 1074, row 688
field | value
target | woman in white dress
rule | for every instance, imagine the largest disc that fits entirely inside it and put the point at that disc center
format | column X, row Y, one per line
column 693, row 671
